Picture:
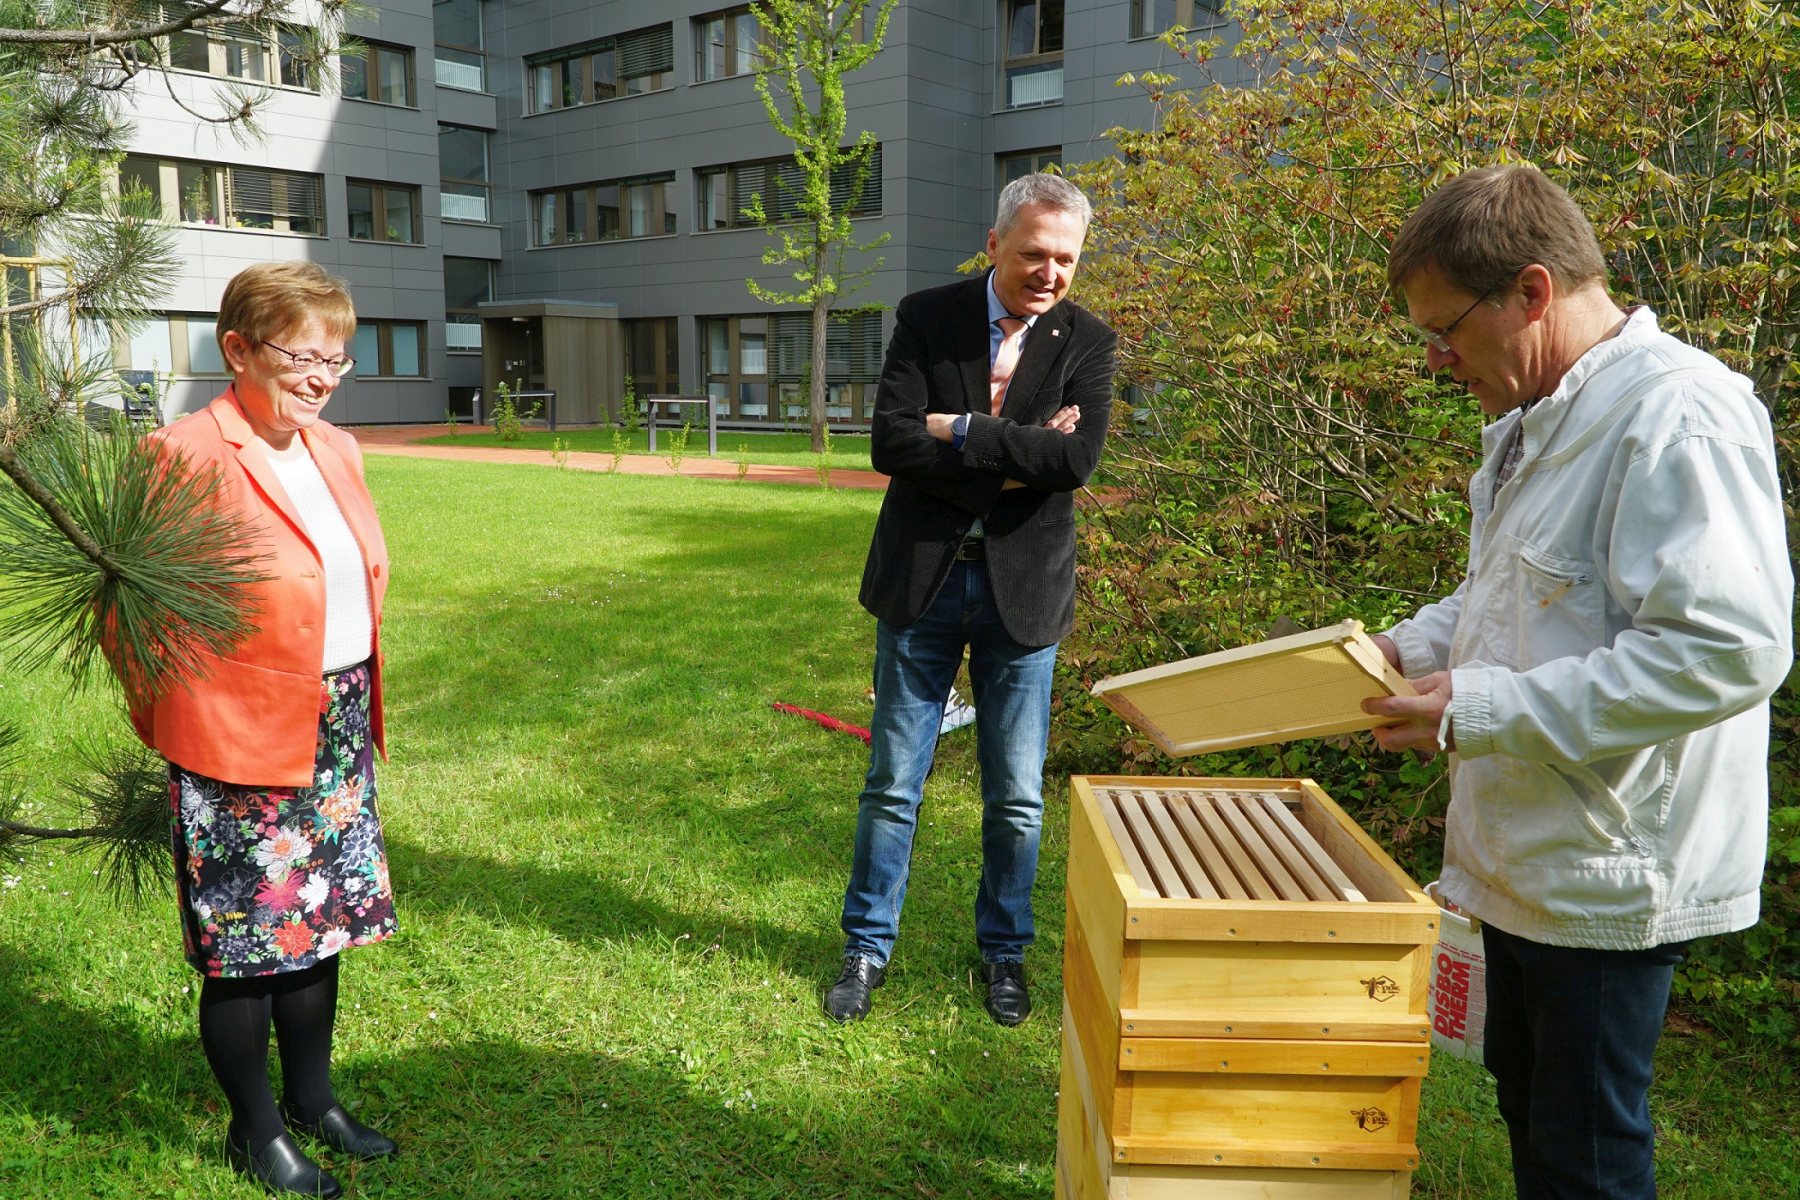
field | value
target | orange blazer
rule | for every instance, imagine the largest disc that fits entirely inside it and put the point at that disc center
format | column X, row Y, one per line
column 253, row 718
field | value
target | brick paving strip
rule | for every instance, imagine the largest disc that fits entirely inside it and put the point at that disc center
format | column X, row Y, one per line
column 400, row 441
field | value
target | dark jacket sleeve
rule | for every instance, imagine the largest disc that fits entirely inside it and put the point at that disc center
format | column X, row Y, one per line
column 1040, row 457
column 902, row 447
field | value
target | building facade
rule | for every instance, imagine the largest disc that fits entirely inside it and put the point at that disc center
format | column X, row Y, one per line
column 598, row 153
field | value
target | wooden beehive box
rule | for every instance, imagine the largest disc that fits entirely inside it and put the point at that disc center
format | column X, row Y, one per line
column 1245, row 976
column 1305, row 685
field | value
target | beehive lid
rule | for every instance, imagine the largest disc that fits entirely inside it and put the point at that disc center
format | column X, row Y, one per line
column 1305, row 685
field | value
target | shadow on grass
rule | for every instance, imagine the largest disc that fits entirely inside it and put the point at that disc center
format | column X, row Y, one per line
column 120, row 1111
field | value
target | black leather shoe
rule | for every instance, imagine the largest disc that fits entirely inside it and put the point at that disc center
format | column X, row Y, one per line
column 280, row 1167
column 344, row 1133
column 1007, row 1000
column 848, row 998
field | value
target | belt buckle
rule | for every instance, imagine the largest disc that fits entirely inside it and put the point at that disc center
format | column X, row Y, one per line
column 971, row 550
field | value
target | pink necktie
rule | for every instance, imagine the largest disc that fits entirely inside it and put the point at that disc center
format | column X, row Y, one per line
column 1005, row 361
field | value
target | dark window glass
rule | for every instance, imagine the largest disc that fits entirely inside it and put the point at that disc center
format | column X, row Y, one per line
column 356, row 75
column 361, row 203
column 468, row 282
column 457, row 22
column 142, row 175
column 290, row 46
column 463, row 153
column 188, row 50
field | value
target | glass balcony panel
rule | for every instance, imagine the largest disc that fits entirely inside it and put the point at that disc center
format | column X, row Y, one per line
column 1034, row 85
column 463, row 206
column 462, row 332
column 461, row 69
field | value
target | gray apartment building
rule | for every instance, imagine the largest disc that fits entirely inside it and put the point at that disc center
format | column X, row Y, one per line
column 551, row 191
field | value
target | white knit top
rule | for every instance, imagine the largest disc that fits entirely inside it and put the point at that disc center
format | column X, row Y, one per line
column 349, row 627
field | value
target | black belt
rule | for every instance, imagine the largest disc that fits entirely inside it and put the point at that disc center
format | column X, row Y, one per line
column 971, row 550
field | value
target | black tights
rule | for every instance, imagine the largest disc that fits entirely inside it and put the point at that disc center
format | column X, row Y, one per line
column 234, row 1029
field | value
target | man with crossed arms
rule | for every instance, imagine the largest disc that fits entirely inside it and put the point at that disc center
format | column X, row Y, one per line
column 992, row 411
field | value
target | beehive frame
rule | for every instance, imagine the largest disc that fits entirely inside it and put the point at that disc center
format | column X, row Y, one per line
column 1306, row 685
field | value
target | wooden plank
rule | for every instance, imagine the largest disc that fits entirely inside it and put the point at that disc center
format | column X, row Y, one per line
column 1375, row 1026
column 1270, row 865
column 1154, row 919
column 1163, row 1181
column 1091, row 1025
column 1134, row 862
column 1097, row 880
column 1137, row 818
column 1193, row 874
column 1323, row 984
column 1231, row 1152
column 1223, row 877
column 1278, row 840
column 1222, row 837
column 1091, row 1158
column 1273, row 1057
column 1308, row 845
column 1265, row 1111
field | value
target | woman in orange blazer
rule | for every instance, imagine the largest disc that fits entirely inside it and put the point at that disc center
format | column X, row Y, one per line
column 279, row 858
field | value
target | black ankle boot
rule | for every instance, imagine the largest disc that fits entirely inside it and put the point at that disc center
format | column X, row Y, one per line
column 280, row 1167
column 343, row 1133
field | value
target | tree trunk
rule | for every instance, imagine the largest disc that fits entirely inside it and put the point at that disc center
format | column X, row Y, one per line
column 816, row 401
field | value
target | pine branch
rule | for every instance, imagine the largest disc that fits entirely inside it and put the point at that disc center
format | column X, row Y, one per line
column 59, row 516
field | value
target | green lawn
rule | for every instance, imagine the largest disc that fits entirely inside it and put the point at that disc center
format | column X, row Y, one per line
column 619, row 875
column 770, row 449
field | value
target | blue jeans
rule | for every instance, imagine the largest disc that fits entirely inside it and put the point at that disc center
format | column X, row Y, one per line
column 1570, row 1036
column 914, row 668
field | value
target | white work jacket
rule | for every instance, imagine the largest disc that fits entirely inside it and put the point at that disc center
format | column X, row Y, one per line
column 1626, row 615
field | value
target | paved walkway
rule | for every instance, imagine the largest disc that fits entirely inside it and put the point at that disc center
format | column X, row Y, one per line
column 399, row 441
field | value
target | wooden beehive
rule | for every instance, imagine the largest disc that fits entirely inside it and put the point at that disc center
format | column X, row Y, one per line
column 1306, row 685
column 1245, row 976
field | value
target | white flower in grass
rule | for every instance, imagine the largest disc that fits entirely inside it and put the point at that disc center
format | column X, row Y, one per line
column 314, row 893
column 286, row 847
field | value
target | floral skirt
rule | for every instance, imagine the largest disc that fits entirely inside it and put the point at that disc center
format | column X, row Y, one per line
column 280, row 879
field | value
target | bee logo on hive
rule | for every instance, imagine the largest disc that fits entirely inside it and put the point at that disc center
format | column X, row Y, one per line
column 1381, row 987
column 1370, row 1119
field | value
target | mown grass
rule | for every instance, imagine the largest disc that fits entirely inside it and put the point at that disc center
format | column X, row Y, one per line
column 770, row 449
column 619, row 875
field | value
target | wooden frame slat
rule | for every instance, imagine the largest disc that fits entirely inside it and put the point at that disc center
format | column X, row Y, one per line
column 1267, row 861
column 1134, row 862
column 1206, row 807
column 1276, row 836
column 1160, row 805
column 1224, row 879
column 1137, row 816
column 1315, row 853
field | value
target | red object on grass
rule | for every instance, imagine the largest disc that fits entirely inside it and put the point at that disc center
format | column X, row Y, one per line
column 827, row 722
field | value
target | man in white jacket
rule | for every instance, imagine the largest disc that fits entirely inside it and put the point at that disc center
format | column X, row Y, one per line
column 1601, row 678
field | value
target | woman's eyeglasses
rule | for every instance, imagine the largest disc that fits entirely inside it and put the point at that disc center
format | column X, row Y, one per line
column 308, row 363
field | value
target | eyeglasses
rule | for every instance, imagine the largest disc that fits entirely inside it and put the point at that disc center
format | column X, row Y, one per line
column 1438, row 341
column 306, row 364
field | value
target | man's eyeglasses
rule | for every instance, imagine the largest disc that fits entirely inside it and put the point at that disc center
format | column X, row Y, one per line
column 308, row 363
column 1438, row 340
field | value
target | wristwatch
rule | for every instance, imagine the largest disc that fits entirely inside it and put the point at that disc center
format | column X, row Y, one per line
column 959, row 429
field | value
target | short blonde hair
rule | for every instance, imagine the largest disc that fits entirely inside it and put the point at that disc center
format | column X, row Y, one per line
column 269, row 299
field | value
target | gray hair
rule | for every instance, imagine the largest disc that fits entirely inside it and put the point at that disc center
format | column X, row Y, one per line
column 1052, row 191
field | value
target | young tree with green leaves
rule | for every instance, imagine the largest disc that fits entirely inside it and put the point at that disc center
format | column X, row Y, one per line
column 805, row 49
column 113, row 562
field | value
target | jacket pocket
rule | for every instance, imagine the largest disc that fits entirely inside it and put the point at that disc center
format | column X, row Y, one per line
column 1560, row 609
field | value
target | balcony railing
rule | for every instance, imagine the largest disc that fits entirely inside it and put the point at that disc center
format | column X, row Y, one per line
column 463, row 208
column 465, row 75
column 462, row 333
column 1027, row 86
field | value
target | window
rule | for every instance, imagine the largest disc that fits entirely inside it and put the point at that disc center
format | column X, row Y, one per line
column 468, row 283
column 725, row 44
column 641, row 61
column 283, row 201
column 735, row 364
column 457, row 26
column 236, row 52
column 724, row 192
column 1033, row 30
column 389, row 348
column 653, row 356
column 377, row 71
column 598, row 212
column 383, row 212
column 1028, row 162
column 463, row 165
column 1151, row 17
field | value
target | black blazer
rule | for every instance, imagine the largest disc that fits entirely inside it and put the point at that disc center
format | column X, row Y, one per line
column 937, row 362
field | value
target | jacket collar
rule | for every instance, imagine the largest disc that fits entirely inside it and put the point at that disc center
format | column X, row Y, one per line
column 1043, row 346
column 228, row 411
